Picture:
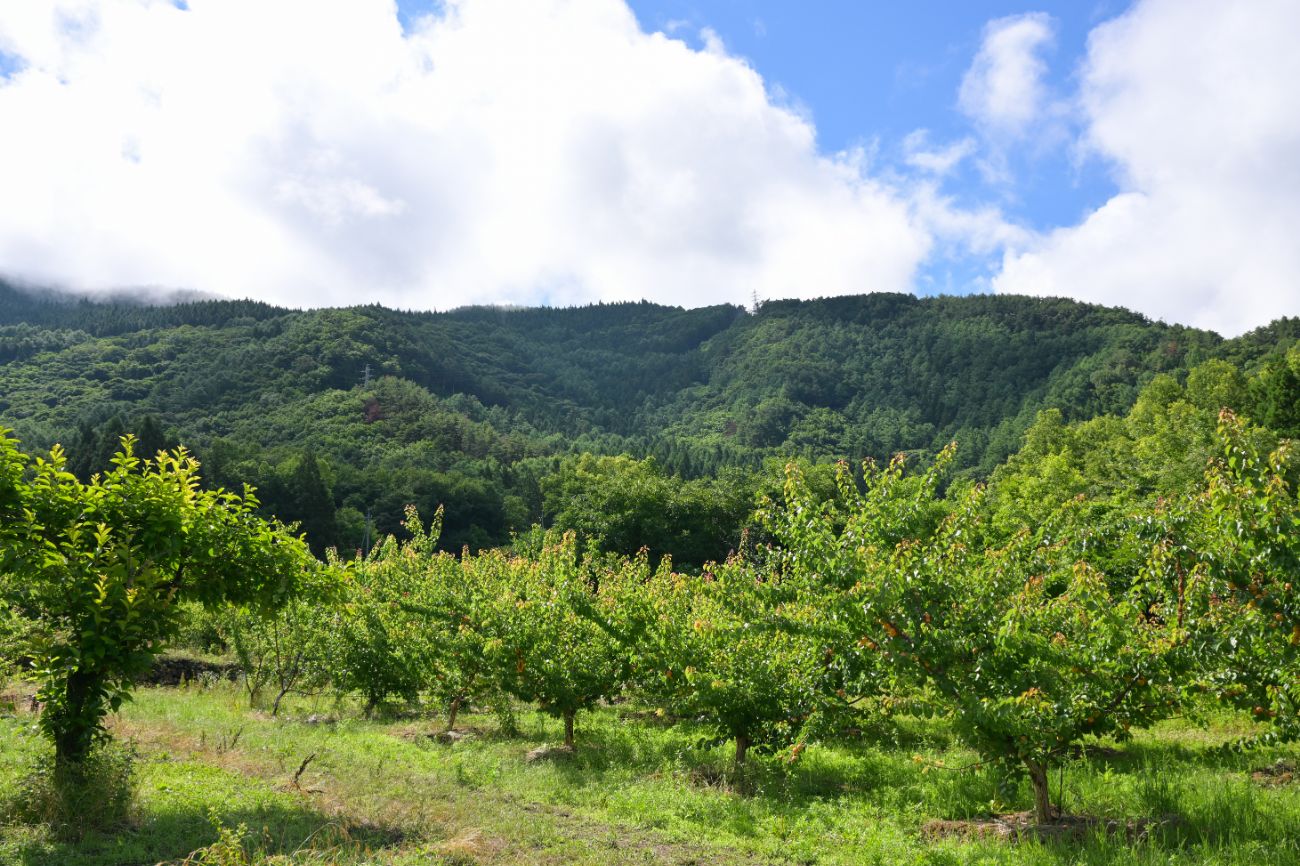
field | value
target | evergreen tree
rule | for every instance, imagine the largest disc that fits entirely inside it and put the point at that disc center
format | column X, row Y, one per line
column 311, row 504
column 1275, row 394
column 150, row 438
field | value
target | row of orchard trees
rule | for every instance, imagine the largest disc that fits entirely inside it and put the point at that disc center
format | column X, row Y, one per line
column 1093, row 620
column 547, row 625
column 408, row 621
column 1096, row 620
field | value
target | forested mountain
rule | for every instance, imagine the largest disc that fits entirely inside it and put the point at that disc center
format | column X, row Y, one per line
column 336, row 414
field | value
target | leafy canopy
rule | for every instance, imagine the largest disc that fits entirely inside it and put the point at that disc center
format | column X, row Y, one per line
column 100, row 568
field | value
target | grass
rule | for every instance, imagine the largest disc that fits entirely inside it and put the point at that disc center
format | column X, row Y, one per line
column 637, row 791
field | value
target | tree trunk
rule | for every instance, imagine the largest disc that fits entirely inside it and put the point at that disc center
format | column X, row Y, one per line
column 73, row 738
column 742, row 749
column 451, row 715
column 1043, row 812
column 275, row 707
column 568, row 728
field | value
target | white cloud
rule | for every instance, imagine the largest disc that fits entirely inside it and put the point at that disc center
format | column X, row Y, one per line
column 919, row 153
column 1197, row 103
column 961, row 230
column 311, row 153
column 1003, row 90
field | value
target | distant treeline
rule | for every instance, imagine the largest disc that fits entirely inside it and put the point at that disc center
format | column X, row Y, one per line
column 635, row 423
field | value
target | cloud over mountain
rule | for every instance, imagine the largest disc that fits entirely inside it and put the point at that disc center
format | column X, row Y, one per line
column 313, row 153
column 554, row 152
column 1196, row 105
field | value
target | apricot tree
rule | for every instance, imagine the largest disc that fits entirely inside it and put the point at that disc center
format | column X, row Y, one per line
column 1247, row 539
column 100, row 569
column 553, row 637
column 1024, row 641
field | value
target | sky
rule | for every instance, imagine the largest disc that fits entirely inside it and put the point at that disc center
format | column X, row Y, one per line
column 428, row 154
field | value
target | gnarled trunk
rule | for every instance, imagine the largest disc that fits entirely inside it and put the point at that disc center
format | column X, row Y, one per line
column 1043, row 812
column 275, row 707
column 452, row 713
column 742, row 748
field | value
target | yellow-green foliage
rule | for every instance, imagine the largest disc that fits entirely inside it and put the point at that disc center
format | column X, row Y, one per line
column 100, row 569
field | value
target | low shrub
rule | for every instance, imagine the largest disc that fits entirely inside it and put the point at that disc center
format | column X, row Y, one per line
column 75, row 800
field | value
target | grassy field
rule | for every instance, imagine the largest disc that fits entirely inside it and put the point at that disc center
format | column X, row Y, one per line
column 637, row 791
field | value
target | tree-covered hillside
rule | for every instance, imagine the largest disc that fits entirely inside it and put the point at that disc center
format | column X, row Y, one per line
column 876, row 374
column 342, row 413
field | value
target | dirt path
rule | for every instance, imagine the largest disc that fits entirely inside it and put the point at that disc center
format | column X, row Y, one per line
column 420, row 812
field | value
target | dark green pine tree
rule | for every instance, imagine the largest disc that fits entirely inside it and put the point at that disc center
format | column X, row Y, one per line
column 82, row 450
column 311, row 503
column 1275, row 397
column 93, row 449
column 150, row 438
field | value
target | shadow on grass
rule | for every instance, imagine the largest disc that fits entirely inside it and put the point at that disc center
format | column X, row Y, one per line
column 1181, row 796
column 1222, row 816
column 1171, row 809
column 689, row 752
column 1169, row 823
column 1170, row 816
column 170, row 836
column 642, row 743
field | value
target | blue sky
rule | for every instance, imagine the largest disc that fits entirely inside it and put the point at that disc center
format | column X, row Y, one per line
column 9, row 64
column 433, row 153
column 876, row 71
column 871, row 73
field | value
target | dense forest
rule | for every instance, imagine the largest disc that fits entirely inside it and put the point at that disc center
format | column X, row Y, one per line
column 636, row 423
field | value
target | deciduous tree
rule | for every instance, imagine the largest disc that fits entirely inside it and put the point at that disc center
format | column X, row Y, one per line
column 101, row 567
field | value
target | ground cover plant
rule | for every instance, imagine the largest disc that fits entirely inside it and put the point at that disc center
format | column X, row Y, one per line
column 638, row 789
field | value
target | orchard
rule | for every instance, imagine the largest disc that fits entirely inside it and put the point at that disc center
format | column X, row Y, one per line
column 1099, row 619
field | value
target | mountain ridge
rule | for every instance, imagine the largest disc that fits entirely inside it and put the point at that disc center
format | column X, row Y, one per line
column 474, row 405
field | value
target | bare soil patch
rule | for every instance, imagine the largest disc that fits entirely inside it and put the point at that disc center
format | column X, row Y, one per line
column 1021, row 827
column 549, row 753
column 172, row 671
column 1282, row 772
column 422, row 734
column 455, row 735
column 658, row 718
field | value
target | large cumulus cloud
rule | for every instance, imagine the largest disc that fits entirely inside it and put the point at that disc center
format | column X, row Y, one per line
column 315, row 153
column 1196, row 105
